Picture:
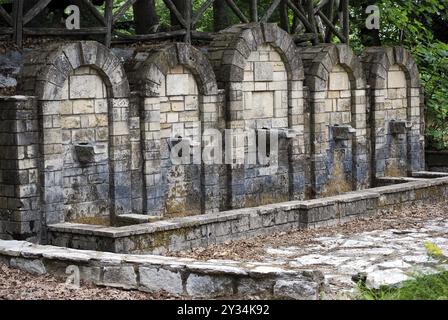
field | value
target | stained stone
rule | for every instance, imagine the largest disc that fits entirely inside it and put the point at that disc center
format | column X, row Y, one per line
column 389, row 277
column 160, row 279
column 297, row 290
column 31, row 266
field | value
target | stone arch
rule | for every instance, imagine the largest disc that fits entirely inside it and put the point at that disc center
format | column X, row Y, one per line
column 396, row 151
column 150, row 66
column 46, row 75
column 233, row 46
column 241, row 50
column 161, row 75
column 338, row 119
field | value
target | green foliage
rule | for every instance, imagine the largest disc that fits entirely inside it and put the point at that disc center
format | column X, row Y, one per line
column 422, row 287
column 426, row 287
column 420, row 26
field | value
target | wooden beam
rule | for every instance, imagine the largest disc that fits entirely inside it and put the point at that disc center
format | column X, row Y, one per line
column 270, row 11
column 63, row 31
column 153, row 36
column 108, row 17
column 6, row 30
column 301, row 15
column 254, row 10
column 123, row 10
column 329, row 32
column 95, row 12
column 237, row 11
column 176, row 12
column 189, row 9
column 311, row 18
column 300, row 38
column 284, row 16
column 34, row 11
column 18, row 22
column 331, row 27
column 207, row 36
column 6, row 16
column 200, row 13
column 345, row 19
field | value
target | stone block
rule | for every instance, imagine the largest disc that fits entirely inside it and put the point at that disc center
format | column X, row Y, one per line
column 339, row 81
column 263, row 71
column 177, row 84
column 120, row 277
column 32, row 266
column 296, row 290
column 86, row 86
column 154, row 279
column 263, row 104
column 213, row 286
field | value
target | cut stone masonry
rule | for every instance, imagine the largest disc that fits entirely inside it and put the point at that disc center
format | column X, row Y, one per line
column 87, row 145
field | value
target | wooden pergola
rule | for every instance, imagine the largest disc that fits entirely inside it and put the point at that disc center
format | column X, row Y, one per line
column 312, row 23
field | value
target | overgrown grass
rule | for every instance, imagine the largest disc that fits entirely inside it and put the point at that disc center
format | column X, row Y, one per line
column 427, row 287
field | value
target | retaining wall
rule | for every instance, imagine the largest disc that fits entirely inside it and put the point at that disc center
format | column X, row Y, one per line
column 201, row 231
column 178, row 276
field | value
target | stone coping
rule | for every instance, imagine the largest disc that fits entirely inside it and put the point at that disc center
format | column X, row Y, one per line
column 430, row 174
column 177, row 223
column 16, row 98
column 182, row 276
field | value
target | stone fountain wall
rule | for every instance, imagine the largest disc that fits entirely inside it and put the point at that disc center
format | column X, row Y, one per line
column 90, row 138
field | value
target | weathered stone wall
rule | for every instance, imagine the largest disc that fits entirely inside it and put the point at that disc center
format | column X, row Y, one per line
column 64, row 100
column 85, row 149
column 396, row 115
column 85, row 141
column 338, row 108
column 177, row 276
column 260, row 70
column 179, row 101
column 206, row 230
column 19, row 176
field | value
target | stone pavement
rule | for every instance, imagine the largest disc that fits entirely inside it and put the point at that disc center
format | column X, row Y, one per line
column 386, row 257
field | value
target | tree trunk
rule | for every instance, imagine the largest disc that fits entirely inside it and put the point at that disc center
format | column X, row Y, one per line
column 145, row 16
column 220, row 15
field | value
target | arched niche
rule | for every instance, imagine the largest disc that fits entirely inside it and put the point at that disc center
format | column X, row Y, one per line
column 82, row 94
column 179, row 101
column 337, row 104
column 395, row 116
column 261, row 71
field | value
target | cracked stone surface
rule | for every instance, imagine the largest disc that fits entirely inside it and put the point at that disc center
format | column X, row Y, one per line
column 386, row 257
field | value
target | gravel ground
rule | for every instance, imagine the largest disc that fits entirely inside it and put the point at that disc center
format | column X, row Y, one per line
column 254, row 249
column 19, row 285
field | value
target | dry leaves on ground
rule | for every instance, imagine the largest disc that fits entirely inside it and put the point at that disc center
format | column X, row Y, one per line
column 254, row 248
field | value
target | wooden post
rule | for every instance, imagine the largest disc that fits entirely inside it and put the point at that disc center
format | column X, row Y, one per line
column 346, row 20
column 188, row 11
column 253, row 10
column 18, row 22
column 108, row 17
column 284, row 17
column 312, row 19
column 330, row 12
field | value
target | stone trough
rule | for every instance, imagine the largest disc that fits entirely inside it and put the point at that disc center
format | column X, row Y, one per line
column 203, row 230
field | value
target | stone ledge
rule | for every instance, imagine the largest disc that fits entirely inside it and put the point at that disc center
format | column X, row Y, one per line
column 204, row 230
column 179, row 276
